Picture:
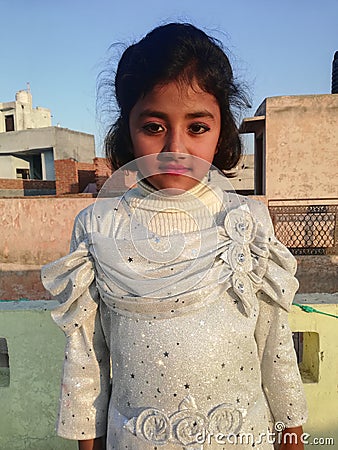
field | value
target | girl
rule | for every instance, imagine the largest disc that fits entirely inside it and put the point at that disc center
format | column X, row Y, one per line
column 174, row 297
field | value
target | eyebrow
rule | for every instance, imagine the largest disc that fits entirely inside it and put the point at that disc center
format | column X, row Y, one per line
column 161, row 115
column 197, row 114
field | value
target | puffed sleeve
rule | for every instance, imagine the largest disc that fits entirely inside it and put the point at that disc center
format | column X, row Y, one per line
column 276, row 283
column 86, row 370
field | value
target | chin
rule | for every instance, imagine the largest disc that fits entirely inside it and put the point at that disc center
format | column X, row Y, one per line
column 174, row 184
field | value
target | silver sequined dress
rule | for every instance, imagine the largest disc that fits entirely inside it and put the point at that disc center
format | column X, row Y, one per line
column 175, row 312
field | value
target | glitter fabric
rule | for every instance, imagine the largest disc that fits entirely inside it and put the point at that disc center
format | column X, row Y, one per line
column 175, row 312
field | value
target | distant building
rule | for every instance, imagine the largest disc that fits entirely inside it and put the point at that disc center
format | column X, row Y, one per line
column 20, row 114
column 31, row 149
column 296, row 142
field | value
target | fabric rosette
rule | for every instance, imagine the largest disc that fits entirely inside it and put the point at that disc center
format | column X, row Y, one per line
column 239, row 225
column 152, row 425
column 225, row 419
column 187, row 426
column 241, row 229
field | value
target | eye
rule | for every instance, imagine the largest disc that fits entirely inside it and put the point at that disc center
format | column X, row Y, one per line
column 198, row 128
column 153, row 128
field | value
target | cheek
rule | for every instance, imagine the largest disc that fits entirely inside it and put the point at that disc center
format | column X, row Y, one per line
column 138, row 146
column 143, row 145
column 210, row 148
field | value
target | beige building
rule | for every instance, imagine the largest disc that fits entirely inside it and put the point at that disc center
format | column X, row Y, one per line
column 20, row 114
column 296, row 142
column 30, row 145
column 30, row 154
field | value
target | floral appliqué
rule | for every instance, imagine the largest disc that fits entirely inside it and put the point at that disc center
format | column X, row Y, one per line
column 187, row 426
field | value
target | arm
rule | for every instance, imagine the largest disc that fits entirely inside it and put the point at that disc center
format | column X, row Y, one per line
column 85, row 386
column 281, row 380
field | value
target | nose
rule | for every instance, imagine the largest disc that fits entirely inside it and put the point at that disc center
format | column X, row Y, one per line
column 174, row 146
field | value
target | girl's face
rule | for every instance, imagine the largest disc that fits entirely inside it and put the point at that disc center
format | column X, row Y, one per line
column 176, row 127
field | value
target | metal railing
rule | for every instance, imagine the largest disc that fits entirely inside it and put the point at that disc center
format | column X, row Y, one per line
column 307, row 229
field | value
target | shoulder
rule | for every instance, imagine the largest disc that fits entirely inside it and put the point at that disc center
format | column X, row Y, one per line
column 100, row 210
column 257, row 208
column 259, row 211
column 97, row 217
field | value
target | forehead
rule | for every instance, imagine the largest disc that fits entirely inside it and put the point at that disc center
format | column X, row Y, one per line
column 179, row 96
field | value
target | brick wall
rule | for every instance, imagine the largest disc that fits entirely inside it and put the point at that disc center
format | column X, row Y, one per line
column 102, row 171
column 66, row 175
column 86, row 174
column 71, row 177
column 26, row 185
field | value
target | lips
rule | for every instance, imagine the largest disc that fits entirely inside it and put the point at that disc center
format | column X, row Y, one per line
column 174, row 169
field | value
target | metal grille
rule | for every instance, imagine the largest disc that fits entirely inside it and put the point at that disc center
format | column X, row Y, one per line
column 306, row 230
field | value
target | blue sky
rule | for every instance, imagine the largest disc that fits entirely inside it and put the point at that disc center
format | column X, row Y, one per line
column 278, row 47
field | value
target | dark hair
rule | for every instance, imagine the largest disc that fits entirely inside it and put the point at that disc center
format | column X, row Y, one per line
column 176, row 52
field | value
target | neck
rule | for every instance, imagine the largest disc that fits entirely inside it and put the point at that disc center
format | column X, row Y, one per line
column 185, row 212
column 196, row 191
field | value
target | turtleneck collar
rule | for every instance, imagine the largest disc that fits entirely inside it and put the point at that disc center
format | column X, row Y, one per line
column 188, row 211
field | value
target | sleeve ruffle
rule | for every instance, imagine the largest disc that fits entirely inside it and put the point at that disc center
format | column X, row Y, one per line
column 257, row 260
column 71, row 282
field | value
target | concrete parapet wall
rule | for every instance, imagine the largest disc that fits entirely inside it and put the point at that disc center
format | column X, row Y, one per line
column 66, row 143
column 21, row 281
column 317, row 273
column 35, row 231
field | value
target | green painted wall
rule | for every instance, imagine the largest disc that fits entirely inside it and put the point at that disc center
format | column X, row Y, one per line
column 29, row 404
column 320, row 356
